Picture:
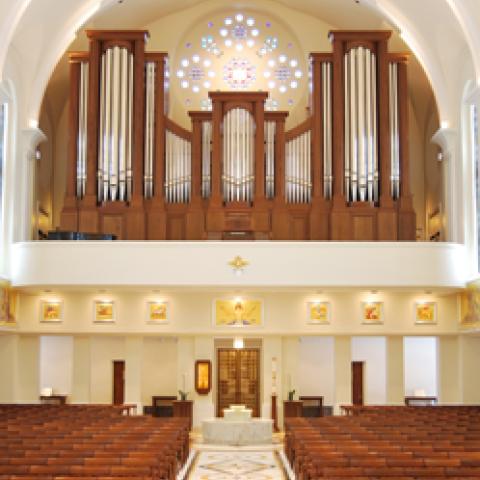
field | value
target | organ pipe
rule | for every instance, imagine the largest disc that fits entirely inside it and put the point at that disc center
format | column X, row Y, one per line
column 361, row 157
column 327, row 129
column 206, row 158
column 178, row 168
column 298, row 176
column 270, row 159
column 238, row 155
column 149, row 129
column 394, row 131
column 82, row 131
column 115, row 152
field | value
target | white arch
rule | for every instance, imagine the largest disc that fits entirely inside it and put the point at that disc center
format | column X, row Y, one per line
column 409, row 31
column 7, row 28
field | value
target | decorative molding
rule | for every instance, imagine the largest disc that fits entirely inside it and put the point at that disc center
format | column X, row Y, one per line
column 32, row 138
column 446, row 139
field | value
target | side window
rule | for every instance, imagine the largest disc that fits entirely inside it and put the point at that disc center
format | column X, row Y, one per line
column 3, row 137
column 475, row 149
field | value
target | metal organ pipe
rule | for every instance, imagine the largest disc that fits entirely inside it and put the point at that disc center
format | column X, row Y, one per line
column 298, row 174
column 206, row 158
column 270, row 159
column 115, row 153
column 82, row 131
column 238, row 155
column 394, row 131
column 327, row 129
column 149, row 129
column 361, row 158
column 178, row 168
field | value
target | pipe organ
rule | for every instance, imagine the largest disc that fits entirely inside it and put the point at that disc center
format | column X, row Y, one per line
column 341, row 174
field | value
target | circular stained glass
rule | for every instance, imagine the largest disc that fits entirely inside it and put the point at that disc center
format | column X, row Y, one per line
column 282, row 73
column 196, row 73
column 239, row 73
column 239, row 32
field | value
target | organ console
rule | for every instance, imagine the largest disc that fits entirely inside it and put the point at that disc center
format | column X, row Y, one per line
column 342, row 174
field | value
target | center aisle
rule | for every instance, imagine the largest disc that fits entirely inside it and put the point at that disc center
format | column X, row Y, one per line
column 248, row 463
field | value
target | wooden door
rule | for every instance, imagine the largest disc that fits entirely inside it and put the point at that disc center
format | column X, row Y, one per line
column 238, row 379
column 357, row 383
column 118, row 382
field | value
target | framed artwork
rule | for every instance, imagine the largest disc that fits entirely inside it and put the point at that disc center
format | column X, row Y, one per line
column 157, row 312
column 318, row 313
column 426, row 313
column 104, row 312
column 51, row 311
column 238, row 313
column 203, row 376
column 372, row 313
column 8, row 304
column 470, row 306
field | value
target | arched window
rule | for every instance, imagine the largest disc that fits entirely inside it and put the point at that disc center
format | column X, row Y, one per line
column 3, row 148
column 475, row 157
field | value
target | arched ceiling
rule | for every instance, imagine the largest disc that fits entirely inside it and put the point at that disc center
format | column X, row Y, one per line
column 41, row 30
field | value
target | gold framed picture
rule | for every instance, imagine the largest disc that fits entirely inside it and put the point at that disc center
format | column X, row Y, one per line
column 104, row 311
column 157, row 312
column 470, row 306
column 51, row 311
column 238, row 313
column 425, row 313
column 372, row 313
column 318, row 313
column 8, row 304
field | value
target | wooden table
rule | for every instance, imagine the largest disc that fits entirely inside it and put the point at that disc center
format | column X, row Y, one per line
column 422, row 401
column 312, row 406
column 53, row 399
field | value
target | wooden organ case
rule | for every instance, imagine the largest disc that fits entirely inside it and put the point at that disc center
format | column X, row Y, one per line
column 342, row 174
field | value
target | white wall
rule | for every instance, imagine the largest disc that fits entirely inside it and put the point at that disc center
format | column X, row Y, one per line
column 421, row 372
column 159, row 368
column 103, row 351
column 316, row 368
column 56, row 363
column 372, row 351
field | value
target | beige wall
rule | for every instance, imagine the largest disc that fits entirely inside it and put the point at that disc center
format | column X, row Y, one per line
column 469, row 364
column 8, row 367
column 284, row 313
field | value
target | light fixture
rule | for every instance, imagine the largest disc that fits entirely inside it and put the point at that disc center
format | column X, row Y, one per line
column 238, row 264
column 238, row 343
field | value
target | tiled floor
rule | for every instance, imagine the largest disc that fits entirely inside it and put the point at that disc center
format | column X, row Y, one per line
column 248, row 463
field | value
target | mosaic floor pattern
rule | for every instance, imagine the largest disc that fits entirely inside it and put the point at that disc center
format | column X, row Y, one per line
column 236, row 465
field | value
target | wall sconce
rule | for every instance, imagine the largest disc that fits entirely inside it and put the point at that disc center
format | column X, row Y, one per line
column 238, row 264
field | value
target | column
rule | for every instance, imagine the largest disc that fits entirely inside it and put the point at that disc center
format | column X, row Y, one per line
column 133, row 371
column 8, row 367
column 81, row 370
column 448, row 370
column 343, row 372
column 317, row 127
column 469, row 349
column 28, row 373
column 272, row 348
column 446, row 139
column 31, row 138
column 203, row 406
column 395, row 376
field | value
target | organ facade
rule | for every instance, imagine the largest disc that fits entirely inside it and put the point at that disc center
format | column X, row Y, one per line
column 237, row 173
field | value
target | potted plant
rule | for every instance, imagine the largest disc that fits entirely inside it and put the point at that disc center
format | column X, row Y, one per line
column 291, row 394
column 183, row 395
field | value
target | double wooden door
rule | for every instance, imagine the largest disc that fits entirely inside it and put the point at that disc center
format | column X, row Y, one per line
column 238, row 379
